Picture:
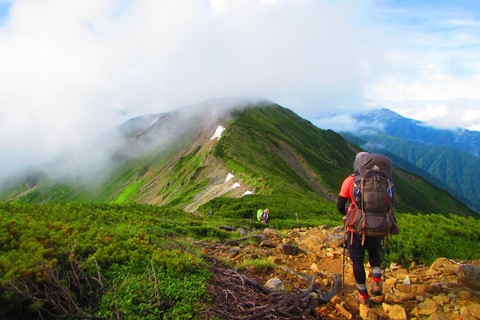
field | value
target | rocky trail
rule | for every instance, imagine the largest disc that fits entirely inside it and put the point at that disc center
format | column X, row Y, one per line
column 306, row 281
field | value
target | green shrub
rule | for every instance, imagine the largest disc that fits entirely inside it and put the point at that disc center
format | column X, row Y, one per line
column 135, row 260
column 424, row 238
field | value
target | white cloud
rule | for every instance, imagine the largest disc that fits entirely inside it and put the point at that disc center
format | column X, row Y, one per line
column 71, row 70
column 434, row 56
column 463, row 113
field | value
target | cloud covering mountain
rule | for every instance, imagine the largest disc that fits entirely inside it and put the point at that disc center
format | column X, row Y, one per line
column 71, row 72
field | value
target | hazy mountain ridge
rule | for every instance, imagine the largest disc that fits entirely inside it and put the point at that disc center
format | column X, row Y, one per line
column 448, row 158
column 390, row 123
column 173, row 159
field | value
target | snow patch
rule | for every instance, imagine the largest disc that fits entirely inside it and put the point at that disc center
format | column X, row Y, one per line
column 236, row 185
column 229, row 176
column 247, row 192
column 218, row 133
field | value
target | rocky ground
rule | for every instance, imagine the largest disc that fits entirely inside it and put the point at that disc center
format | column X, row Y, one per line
column 443, row 290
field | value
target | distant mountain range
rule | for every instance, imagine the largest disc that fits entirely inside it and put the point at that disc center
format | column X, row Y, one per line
column 244, row 153
column 447, row 158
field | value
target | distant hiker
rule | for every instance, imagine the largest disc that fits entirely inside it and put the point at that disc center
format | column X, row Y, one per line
column 210, row 213
column 263, row 215
column 369, row 218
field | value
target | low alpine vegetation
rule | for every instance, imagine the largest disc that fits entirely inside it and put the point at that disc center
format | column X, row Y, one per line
column 128, row 261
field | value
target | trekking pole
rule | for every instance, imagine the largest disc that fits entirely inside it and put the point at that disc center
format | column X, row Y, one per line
column 384, row 260
column 343, row 268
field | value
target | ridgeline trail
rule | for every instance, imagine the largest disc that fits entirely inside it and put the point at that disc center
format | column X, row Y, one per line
column 306, row 270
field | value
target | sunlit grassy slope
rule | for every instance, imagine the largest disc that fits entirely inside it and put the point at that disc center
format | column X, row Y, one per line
column 290, row 164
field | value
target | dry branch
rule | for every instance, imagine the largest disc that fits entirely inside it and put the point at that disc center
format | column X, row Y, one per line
column 237, row 296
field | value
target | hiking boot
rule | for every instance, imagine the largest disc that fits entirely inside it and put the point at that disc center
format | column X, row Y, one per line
column 376, row 287
column 363, row 299
column 377, row 298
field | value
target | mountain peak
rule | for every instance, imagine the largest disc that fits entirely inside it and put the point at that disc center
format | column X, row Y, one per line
column 171, row 159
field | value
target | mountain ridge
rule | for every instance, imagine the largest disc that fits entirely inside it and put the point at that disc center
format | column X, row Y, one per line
column 272, row 152
column 447, row 158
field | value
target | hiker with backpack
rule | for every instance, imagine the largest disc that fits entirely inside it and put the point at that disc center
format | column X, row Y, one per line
column 369, row 218
column 263, row 215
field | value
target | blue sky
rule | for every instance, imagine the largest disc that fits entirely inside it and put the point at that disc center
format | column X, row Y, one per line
column 70, row 70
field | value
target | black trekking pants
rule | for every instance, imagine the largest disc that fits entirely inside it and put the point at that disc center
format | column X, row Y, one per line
column 357, row 254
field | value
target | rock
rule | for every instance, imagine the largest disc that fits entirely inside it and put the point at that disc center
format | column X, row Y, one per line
column 275, row 259
column 428, row 307
column 466, row 315
column 401, row 277
column 367, row 313
column 421, row 292
column 242, row 231
column 338, row 230
column 394, row 266
column 406, row 288
column 275, row 284
column 421, row 288
column 438, row 263
column 314, row 267
column 344, row 312
column 268, row 244
column 445, row 266
column 312, row 244
column 389, row 284
column 334, row 240
column 395, row 312
column 420, row 298
column 271, row 233
column 399, row 297
column 413, row 278
column 474, row 310
column 441, row 299
column 235, row 251
column 464, row 294
column 432, row 273
column 438, row 316
column 288, row 249
column 322, row 311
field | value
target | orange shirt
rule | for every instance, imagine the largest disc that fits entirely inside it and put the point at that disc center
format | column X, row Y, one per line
column 346, row 189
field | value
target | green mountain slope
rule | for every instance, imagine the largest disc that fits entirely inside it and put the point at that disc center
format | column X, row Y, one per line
column 447, row 158
column 266, row 150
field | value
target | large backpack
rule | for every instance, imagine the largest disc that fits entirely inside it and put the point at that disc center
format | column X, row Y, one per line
column 259, row 214
column 372, row 213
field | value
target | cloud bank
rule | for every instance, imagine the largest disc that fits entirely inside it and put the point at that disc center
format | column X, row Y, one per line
column 73, row 70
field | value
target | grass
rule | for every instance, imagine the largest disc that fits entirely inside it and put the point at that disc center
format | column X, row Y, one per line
column 145, row 258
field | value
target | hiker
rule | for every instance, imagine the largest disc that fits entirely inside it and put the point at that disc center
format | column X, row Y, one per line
column 265, row 216
column 357, row 243
column 262, row 215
